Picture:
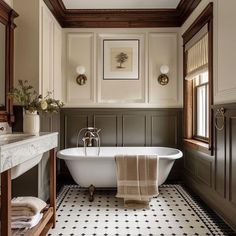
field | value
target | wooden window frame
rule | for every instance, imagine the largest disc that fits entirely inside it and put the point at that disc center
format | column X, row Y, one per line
column 205, row 18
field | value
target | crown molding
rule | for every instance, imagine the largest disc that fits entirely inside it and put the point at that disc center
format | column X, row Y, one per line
column 121, row 18
column 6, row 12
column 185, row 8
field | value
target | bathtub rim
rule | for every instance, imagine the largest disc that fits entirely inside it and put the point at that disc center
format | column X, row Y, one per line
column 73, row 157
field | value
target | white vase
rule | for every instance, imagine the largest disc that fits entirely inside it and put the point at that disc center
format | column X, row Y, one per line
column 31, row 122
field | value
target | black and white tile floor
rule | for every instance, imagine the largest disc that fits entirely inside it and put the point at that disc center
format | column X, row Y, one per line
column 173, row 212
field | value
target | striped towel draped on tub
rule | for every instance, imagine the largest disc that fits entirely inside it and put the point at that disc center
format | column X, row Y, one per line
column 137, row 179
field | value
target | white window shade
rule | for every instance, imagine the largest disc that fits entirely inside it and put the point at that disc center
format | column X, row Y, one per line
column 197, row 58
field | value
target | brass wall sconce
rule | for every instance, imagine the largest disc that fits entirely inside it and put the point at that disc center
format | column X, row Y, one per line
column 81, row 78
column 163, row 78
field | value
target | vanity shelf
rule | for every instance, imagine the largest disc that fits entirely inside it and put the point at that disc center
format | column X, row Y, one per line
column 41, row 144
column 42, row 228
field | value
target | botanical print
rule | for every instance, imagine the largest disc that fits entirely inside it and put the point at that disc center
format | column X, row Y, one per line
column 121, row 59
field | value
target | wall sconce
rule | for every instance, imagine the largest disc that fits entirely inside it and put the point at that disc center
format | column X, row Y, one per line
column 163, row 79
column 81, row 78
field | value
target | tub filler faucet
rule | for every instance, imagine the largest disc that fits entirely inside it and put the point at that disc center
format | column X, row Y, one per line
column 90, row 134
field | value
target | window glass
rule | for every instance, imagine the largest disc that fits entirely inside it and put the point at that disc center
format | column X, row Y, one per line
column 201, row 108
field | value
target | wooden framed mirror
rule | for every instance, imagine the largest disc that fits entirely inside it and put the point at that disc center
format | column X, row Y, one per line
column 7, row 26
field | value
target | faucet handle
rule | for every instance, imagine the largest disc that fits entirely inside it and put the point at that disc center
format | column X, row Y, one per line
column 98, row 130
column 85, row 138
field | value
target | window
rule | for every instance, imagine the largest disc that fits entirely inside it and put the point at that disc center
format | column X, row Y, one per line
column 201, row 106
column 198, row 72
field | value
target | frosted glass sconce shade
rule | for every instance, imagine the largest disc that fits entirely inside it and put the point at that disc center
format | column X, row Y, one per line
column 164, row 69
column 80, row 70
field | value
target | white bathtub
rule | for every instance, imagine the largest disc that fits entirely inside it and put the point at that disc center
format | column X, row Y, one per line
column 100, row 171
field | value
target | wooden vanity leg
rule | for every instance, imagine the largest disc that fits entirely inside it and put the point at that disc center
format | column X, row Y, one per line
column 6, row 193
column 53, row 184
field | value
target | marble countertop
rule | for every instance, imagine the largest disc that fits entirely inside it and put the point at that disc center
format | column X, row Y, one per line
column 24, row 148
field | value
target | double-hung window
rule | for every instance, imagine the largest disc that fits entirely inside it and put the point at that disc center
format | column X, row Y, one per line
column 198, row 71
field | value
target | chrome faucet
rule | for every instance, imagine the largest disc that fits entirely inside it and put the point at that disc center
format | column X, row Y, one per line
column 90, row 134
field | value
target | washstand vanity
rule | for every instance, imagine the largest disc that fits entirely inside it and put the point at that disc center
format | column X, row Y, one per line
column 19, row 152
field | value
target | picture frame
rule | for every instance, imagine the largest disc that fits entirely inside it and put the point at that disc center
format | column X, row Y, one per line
column 121, row 59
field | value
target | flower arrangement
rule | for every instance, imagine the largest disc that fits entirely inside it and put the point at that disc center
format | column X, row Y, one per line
column 32, row 102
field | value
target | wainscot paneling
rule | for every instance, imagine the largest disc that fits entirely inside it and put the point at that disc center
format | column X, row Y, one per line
column 232, row 159
column 80, row 51
column 109, row 126
column 220, row 174
column 214, row 177
column 134, row 130
column 164, row 129
column 225, row 57
column 162, row 50
column 125, row 127
column 198, row 165
column 85, row 47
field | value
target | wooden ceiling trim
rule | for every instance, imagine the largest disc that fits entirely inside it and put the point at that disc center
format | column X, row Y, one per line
column 121, row 18
column 58, row 9
column 185, row 8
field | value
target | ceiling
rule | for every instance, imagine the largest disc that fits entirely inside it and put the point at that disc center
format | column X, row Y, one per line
column 121, row 4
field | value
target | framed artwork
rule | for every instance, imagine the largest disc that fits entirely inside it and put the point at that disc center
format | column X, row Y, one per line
column 121, row 59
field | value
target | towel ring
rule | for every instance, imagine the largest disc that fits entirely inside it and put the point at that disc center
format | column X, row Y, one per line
column 220, row 115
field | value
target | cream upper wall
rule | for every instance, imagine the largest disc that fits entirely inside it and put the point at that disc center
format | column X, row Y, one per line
column 224, row 48
column 83, row 46
column 157, row 47
column 225, row 83
column 9, row 2
column 38, row 47
column 27, row 42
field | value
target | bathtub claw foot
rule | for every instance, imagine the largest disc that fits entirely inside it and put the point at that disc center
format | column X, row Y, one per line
column 91, row 193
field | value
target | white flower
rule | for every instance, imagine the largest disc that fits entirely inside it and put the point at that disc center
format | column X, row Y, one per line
column 43, row 104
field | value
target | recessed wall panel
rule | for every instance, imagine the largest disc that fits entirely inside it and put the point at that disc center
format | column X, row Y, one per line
column 220, row 161
column 134, row 130
column 164, row 131
column 73, row 124
column 225, row 70
column 232, row 152
column 108, row 125
column 121, row 90
column 163, row 51
column 80, row 52
column 204, row 171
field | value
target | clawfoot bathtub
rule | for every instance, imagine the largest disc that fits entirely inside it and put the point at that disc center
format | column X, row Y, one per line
column 100, row 171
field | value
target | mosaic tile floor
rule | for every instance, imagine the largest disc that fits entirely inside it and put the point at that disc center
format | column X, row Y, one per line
column 173, row 212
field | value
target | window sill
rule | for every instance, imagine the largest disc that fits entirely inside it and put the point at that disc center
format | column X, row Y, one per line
column 197, row 145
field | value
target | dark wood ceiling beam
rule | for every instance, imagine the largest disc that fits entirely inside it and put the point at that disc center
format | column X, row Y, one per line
column 121, row 18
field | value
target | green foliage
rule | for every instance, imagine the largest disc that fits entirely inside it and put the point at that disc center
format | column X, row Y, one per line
column 26, row 96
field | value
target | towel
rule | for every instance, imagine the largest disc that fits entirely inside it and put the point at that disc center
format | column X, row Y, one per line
column 27, row 206
column 28, row 223
column 137, row 179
